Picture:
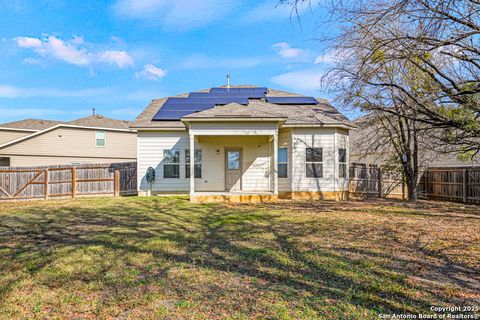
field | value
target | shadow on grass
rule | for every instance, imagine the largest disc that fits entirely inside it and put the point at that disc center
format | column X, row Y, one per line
column 240, row 241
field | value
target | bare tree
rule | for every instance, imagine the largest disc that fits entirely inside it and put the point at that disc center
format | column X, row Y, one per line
column 436, row 42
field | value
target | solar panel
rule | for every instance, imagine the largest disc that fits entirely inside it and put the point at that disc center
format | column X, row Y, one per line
column 219, row 100
column 163, row 115
column 245, row 94
column 292, row 100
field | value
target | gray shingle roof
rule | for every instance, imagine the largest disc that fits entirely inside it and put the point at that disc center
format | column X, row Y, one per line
column 31, row 124
column 323, row 113
column 101, row 121
column 90, row 121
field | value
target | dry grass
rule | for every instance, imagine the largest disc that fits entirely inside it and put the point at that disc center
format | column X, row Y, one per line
column 164, row 258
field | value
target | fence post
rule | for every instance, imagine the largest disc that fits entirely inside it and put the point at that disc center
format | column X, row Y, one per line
column 116, row 183
column 465, row 186
column 380, row 187
column 74, row 182
column 45, row 173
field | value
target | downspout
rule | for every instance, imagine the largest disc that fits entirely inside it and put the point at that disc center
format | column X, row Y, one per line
column 335, row 161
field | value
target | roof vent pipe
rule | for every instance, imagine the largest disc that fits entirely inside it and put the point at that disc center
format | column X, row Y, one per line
column 93, row 111
column 228, row 81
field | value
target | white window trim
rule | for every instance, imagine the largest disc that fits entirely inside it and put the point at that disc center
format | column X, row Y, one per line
column 345, row 163
column 104, row 138
column 286, row 162
column 187, row 152
column 313, row 162
column 179, row 163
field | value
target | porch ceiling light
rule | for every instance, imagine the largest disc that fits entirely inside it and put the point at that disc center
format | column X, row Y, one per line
column 218, row 152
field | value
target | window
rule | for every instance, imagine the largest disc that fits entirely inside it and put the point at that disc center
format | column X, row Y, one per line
column 342, row 163
column 171, row 164
column 283, row 163
column 4, row 162
column 314, row 166
column 198, row 163
column 100, row 138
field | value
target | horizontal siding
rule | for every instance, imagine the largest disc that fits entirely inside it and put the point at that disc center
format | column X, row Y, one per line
column 33, row 161
column 76, row 142
column 150, row 147
column 234, row 129
column 316, row 138
column 8, row 135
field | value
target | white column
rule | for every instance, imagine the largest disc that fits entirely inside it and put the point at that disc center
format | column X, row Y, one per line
column 192, row 164
column 275, row 163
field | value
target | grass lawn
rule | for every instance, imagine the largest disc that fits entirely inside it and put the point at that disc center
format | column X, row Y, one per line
column 164, row 258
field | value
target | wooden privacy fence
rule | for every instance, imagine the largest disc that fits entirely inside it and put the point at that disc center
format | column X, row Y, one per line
column 68, row 181
column 454, row 184
column 372, row 180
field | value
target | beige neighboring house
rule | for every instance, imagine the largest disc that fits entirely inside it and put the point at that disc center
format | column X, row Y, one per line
column 256, row 151
column 93, row 139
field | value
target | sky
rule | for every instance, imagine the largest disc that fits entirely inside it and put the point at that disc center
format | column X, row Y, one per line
column 59, row 59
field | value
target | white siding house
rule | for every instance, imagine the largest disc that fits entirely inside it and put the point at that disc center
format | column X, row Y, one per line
column 253, row 152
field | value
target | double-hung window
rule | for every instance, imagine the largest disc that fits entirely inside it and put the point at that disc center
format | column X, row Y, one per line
column 314, row 162
column 171, row 164
column 100, row 140
column 283, row 163
column 198, row 163
column 342, row 163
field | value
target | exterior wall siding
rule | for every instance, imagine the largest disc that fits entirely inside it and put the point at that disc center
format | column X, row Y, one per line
column 256, row 162
column 303, row 138
column 76, row 143
column 10, row 135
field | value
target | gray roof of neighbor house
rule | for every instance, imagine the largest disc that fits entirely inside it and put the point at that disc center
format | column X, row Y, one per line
column 321, row 114
column 31, row 124
column 90, row 121
column 101, row 121
column 369, row 130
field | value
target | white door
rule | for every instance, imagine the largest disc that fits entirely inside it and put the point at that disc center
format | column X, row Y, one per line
column 233, row 169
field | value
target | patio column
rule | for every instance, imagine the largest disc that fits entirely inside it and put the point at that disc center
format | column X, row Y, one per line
column 192, row 164
column 275, row 163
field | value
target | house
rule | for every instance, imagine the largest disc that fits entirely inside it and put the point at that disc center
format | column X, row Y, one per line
column 370, row 143
column 93, row 139
column 243, row 143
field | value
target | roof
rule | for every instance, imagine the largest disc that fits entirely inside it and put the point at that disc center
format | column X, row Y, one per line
column 368, row 130
column 96, row 121
column 31, row 124
column 100, row 121
column 295, row 115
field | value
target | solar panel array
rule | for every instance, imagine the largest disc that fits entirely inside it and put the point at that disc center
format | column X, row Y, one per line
column 176, row 108
column 292, row 100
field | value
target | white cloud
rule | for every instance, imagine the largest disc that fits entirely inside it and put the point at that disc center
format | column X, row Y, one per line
column 178, row 15
column 8, row 91
column 151, row 72
column 51, row 47
column 305, row 81
column 199, row 61
column 284, row 50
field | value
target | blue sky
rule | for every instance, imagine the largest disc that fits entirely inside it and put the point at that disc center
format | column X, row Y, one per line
column 60, row 59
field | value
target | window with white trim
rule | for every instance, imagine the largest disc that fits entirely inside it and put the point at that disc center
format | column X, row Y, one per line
column 342, row 163
column 283, row 162
column 100, row 138
column 198, row 163
column 171, row 163
column 314, row 162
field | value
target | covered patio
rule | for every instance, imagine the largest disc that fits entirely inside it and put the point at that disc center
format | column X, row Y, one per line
column 238, row 158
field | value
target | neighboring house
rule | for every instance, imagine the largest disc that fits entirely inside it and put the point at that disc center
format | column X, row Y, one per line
column 218, row 145
column 93, row 139
column 370, row 144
